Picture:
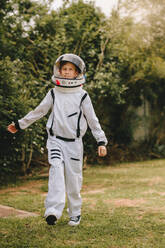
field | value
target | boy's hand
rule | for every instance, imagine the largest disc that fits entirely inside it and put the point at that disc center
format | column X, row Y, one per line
column 11, row 128
column 102, row 151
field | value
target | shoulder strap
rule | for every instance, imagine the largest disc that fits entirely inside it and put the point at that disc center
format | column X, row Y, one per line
column 51, row 130
column 79, row 117
column 83, row 98
column 52, row 94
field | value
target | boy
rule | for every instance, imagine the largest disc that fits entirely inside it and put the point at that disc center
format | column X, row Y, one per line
column 71, row 111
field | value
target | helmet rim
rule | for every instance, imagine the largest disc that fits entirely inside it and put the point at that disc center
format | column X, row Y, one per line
column 59, row 81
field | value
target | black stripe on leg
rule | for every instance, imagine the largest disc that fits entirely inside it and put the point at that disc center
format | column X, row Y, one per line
column 76, row 159
column 55, row 150
column 55, row 153
column 55, row 157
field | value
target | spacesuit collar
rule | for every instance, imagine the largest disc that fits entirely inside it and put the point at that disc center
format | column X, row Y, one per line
column 68, row 90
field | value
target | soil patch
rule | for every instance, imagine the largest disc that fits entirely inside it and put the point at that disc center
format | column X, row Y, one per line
column 30, row 187
column 95, row 191
column 126, row 202
column 6, row 211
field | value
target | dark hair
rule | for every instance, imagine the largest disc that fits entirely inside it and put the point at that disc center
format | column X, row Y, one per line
column 62, row 63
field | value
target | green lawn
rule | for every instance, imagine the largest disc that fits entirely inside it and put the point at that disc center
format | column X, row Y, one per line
column 123, row 207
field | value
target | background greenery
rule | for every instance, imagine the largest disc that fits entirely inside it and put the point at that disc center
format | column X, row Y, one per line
column 125, row 58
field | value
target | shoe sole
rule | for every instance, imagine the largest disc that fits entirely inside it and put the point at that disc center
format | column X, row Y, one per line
column 51, row 220
column 72, row 223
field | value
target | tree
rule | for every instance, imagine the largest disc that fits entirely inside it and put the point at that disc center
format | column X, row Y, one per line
column 16, row 151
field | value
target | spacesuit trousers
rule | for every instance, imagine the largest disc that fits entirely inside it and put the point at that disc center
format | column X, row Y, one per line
column 65, row 177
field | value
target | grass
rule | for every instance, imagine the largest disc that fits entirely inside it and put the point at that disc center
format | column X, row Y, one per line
column 123, row 207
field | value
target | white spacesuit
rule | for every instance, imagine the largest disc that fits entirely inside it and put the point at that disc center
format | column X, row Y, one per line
column 72, row 111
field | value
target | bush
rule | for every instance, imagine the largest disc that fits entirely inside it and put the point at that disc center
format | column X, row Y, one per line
column 16, row 150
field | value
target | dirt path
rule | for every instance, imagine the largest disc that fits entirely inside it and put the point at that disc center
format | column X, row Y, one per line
column 31, row 187
column 12, row 212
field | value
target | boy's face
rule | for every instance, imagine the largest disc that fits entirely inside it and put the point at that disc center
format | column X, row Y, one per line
column 68, row 70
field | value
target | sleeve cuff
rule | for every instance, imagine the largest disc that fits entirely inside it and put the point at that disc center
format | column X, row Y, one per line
column 17, row 126
column 101, row 143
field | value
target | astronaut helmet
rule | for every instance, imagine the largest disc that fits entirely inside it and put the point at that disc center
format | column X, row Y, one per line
column 59, row 80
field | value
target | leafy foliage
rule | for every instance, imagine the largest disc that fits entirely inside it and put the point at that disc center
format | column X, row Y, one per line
column 125, row 59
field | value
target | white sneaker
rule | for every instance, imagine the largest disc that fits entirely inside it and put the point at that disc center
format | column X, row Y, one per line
column 74, row 221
